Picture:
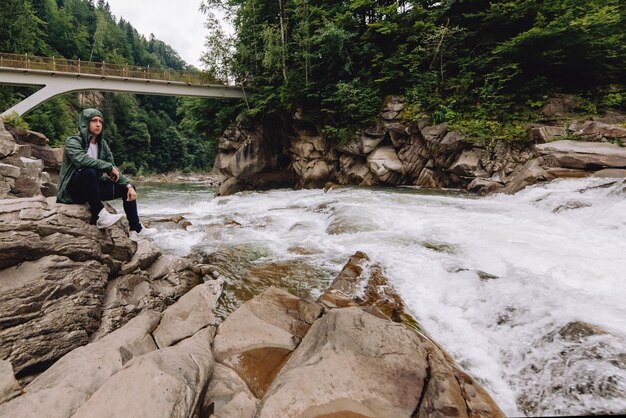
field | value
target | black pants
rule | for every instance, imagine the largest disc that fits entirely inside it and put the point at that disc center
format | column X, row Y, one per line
column 86, row 187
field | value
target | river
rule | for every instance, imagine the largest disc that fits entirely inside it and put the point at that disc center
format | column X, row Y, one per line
column 527, row 292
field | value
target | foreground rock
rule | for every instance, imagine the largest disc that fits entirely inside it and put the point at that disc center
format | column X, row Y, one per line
column 279, row 355
column 276, row 355
column 126, row 374
column 64, row 283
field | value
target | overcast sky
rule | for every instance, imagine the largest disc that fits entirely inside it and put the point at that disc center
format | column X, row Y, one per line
column 178, row 23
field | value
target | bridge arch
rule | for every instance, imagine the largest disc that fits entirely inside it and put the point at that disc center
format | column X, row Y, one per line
column 58, row 76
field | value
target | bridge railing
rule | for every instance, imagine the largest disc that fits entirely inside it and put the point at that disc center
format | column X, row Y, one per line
column 63, row 65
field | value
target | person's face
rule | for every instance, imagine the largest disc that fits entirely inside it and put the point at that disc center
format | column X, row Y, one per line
column 95, row 125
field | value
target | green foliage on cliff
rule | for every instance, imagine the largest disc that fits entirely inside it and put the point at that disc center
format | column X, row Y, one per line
column 147, row 133
column 453, row 60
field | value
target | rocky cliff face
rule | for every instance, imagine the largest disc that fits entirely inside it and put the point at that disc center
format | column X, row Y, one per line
column 26, row 163
column 396, row 153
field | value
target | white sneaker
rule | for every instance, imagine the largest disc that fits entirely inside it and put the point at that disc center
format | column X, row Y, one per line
column 106, row 219
column 143, row 234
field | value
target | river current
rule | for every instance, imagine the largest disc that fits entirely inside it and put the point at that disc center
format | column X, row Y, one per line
column 527, row 292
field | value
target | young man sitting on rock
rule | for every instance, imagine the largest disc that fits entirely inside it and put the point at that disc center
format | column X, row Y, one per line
column 86, row 159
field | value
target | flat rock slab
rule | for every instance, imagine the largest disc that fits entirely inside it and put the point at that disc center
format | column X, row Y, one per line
column 145, row 255
column 578, row 154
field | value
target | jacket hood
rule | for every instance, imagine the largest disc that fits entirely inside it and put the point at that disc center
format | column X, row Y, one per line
column 83, row 125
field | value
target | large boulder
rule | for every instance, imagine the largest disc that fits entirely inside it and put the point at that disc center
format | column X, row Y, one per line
column 192, row 312
column 599, row 131
column 49, row 307
column 257, row 157
column 24, row 136
column 354, row 361
column 468, row 164
column 363, row 364
column 385, row 165
column 72, row 380
column 7, row 143
column 544, row 133
column 164, row 383
column 354, row 170
column 309, row 160
column 533, row 171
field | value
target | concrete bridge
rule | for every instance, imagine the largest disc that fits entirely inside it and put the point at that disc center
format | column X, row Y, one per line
column 58, row 76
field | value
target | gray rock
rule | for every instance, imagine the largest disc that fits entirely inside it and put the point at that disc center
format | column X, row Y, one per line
column 145, row 255
column 48, row 307
column 597, row 131
column 353, row 362
column 166, row 264
column 542, row 134
column 354, row 170
column 435, row 133
column 32, row 167
column 228, row 396
column 385, row 165
column 584, row 155
column 7, row 170
column 163, row 383
column 9, row 387
column 559, row 106
column 7, row 143
column 24, row 136
column 532, row 172
column 72, row 380
column 610, row 173
column 369, row 143
column 192, row 312
column 484, row 186
column 468, row 164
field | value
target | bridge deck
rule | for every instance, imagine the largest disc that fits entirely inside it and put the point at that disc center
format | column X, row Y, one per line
column 60, row 76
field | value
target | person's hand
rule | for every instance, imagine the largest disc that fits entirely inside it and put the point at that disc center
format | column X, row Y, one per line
column 114, row 175
column 132, row 194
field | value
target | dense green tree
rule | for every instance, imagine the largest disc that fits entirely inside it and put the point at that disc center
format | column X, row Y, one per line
column 451, row 59
column 19, row 27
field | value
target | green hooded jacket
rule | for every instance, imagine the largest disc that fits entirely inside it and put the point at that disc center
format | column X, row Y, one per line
column 75, row 156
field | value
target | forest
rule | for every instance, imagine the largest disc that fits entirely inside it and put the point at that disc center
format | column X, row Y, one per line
column 146, row 133
column 485, row 67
